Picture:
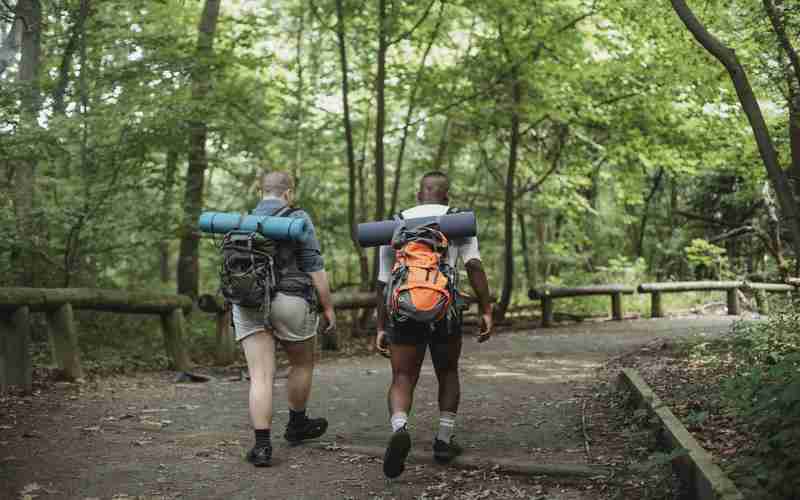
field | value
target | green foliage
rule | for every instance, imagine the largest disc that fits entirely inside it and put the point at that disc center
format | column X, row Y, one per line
column 766, row 391
column 707, row 259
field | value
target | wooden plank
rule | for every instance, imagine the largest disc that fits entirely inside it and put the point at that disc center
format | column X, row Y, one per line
column 547, row 311
column 689, row 286
column 770, row 287
column 696, row 468
column 226, row 345
column 172, row 326
column 15, row 328
column 61, row 328
column 733, row 301
column 656, row 307
column 616, row 306
column 48, row 299
column 578, row 291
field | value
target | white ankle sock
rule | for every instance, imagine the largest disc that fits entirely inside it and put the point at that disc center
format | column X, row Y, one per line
column 399, row 420
column 447, row 424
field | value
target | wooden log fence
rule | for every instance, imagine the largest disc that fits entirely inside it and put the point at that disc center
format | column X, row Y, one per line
column 16, row 305
column 549, row 294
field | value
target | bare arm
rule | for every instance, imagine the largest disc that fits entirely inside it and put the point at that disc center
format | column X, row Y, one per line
column 320, row 280
column 477, row 278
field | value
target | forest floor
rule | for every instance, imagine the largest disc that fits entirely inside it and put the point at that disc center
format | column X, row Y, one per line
column 538, row 396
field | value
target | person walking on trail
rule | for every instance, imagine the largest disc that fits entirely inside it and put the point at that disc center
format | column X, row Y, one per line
column 405, row 340
column 292, row 321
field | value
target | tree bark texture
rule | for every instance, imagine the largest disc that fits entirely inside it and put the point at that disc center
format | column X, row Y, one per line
column 751, row 108
column 188, row 267
column 76, row 33
column 510, row 195
column 170, row 169
column 349, row 145
column 49, row 299
column 30, row 11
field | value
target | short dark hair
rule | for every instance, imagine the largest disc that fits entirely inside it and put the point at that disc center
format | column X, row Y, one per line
column 434, row 187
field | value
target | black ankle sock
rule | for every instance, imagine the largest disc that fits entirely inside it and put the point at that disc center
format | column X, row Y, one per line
column 296, row 417
column 262, row 437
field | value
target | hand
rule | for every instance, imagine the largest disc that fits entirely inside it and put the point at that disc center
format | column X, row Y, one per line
column 330, row 321
column 487, row 326
column 382, row 344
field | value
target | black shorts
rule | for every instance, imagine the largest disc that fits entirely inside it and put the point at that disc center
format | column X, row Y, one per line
column 416, row 333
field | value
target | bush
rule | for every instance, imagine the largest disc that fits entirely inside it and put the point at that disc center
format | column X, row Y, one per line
column 766, row 392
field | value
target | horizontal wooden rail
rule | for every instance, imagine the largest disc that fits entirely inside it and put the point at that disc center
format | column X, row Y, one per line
column 731, row 288
column 547, row 294
column 16, row 305
column 50, row 299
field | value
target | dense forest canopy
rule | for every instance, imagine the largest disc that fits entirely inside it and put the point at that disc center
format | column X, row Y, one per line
column 597, row 141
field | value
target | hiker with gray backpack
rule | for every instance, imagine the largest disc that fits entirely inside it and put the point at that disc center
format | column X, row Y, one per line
column 276, row 289
column 418, row 309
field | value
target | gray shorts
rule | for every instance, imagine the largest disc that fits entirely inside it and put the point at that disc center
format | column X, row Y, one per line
column 292, row 319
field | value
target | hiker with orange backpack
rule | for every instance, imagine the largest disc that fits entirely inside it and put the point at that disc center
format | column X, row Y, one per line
column 417, row 310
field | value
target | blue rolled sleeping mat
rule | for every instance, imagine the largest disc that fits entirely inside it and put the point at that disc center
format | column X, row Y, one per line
column 277, row 228
column 458, row 225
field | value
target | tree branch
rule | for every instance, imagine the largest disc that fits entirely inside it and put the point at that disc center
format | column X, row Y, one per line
column 783, row 39
column 419, row 22
column 555, row 162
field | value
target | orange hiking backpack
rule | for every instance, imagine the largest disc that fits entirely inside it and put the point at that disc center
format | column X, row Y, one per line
column 422, row 284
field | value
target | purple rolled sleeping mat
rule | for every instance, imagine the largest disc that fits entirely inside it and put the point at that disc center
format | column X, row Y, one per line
column 457, row 225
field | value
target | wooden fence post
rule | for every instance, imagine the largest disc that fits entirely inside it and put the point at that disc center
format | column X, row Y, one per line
column 547, row 311
column 61, row 327
column 656, row 310
column 225, row 342
column 616, row 306
column 733, row 301
column 761, row 302
column 15, row 342
column 172, row 326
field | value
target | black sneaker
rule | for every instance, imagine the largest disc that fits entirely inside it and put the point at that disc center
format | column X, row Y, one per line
column 260, row 456
column 394, row 460
column 310, row 428
column 446, row 452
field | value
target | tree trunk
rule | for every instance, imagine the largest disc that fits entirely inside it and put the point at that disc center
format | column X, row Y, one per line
column 349, row 146
column 30, row 11
column 646, row 211
column 530, row 282
column 169, row 183
column 510, row 194
column 76, row 34
column 444, row 143
column 412, row 101
column 751, row 108
column 188, row 272
column 380, row 126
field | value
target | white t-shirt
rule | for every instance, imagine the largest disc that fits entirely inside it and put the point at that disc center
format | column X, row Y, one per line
column 464, row 248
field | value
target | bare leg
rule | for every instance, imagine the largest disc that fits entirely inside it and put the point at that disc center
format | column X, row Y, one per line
column 406, row 364
column 445, row 358
column 259, row 349
column 301, row 361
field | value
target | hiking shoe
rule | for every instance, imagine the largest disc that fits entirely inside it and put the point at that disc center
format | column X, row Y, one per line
column 310, row 428
column 260, row 456
column 445, row 452
column 394, row 460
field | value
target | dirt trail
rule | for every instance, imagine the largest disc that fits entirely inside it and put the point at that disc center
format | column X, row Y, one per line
column 147, row 437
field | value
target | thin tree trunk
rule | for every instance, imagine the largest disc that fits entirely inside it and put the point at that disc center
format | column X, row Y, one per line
column 298, row 140
column 646, row 211
column 444, row 143
column 25, row 170
column 510, row 195
column 76, row 33
column 523, row 240
column 188, row 268
column 751, row 108
column 380, row 126
column 349, row 146
column 169, row 183
column 412, row 101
